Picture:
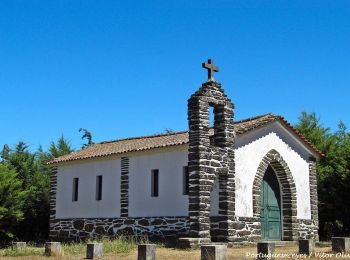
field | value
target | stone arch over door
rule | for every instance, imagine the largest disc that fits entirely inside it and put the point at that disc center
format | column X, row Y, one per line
column 288, row 192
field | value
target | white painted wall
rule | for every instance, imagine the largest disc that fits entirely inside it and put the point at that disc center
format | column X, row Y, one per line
column 87, row 206
column 251, row 149
column 171, row 201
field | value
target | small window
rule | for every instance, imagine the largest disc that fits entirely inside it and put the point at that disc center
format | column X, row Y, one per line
column 211, row 116
column 75, row 189
column 99, row 187
column 186, row 180
column 155, row 183
column 217, row 122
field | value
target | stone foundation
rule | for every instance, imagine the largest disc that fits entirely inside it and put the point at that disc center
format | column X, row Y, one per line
column 163, row 228
column 247, row 229
column 308, row 229
column 244, row 229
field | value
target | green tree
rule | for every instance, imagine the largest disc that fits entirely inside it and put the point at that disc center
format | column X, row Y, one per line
column 62, row 147
column 5, row 153
column 23, row 162
column 33, row 187
column 35, row 183
column 310, row 126
column 88, row 136
column 332, row 174
column 11, row 202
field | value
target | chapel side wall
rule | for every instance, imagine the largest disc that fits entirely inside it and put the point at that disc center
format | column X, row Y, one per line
column 171, row 201
column 87, row 206
column 141, row 215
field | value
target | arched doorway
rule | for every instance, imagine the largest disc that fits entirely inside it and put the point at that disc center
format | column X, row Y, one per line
column 288, row 207
column 270, row 206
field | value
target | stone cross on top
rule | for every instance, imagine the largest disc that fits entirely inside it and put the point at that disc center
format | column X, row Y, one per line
column 211, row 69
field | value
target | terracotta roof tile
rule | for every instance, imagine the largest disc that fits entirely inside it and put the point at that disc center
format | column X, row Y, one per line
column 142, row 143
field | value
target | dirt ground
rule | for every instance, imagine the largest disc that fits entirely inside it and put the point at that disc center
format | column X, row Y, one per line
column 244, row 252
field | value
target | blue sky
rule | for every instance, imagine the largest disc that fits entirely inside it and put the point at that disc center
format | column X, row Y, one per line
column 127, row 68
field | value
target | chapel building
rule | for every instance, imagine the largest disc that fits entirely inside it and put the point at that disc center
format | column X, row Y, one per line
column 236, row 181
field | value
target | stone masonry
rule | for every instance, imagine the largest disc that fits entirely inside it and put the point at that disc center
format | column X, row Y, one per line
column 53, row 189
column 307, row 229
column 313, row 230
column 124, row 187
column 211, row 157
column 161, row 228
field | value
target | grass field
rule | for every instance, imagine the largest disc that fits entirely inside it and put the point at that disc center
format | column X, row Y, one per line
column 122, row 249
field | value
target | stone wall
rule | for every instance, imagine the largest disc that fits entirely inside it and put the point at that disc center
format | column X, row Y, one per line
column 244, row 229
column 247, row 229
column 162, row 228
column 210, row 157
column 308, row 229
column 313, row 199
column 53, row 190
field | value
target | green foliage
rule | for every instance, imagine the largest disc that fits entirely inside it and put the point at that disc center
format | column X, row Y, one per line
column 11, row 202
column 35, row 182
column 60, row 148
column 34, row 177
column 23, row 162
column 333, row 174
column 88, row 136
column 5, row 152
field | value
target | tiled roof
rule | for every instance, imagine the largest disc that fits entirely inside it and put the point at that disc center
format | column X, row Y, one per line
column 142, row 143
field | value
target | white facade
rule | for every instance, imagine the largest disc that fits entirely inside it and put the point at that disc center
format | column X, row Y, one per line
column 250, row 150
column 87, row 206
column 171, row 201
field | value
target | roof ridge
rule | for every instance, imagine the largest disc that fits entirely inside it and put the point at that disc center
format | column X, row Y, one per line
column 180, row 132
column 255, row 117
column 143, row 137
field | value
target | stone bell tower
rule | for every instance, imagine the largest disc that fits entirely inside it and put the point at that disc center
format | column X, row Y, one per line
column 211, row 156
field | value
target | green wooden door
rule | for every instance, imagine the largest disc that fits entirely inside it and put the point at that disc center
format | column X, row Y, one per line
column 270, row 207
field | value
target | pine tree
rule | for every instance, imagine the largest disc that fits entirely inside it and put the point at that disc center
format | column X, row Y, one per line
column 11, row 202
column 62, row 147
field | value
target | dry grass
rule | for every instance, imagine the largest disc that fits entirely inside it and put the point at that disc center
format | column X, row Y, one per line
column 118, row 246
column 242, row 252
